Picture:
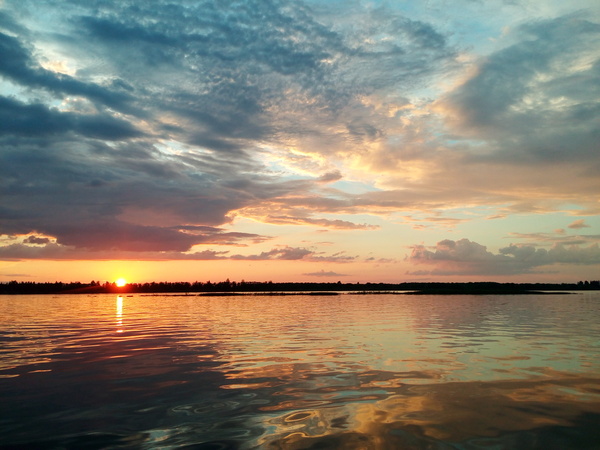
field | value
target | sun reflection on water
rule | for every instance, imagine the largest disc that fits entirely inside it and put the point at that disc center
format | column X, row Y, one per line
column 119, row 314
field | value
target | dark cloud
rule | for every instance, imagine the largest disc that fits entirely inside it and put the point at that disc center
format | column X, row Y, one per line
column 17, row 64
column 53, row 251
column 36, row 240
column 116, row 201
column 37, row 120
column 125, row 196
column 99, row 235
column 126, row 237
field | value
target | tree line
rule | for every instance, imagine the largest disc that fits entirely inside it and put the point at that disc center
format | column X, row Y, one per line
column 97, row 287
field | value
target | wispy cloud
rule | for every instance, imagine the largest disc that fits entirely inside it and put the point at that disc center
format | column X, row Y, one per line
column 578, row 224
column 323, row 273
column 55, row 251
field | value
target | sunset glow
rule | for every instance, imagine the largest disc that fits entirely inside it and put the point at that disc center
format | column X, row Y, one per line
column 328, row 141
column 121, row 282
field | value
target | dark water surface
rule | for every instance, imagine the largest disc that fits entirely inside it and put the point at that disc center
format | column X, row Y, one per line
column 299, row 372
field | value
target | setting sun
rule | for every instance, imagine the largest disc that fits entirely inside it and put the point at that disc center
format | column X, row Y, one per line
column 121, row 282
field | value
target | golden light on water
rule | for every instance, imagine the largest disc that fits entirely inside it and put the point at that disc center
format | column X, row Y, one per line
column 119, row 314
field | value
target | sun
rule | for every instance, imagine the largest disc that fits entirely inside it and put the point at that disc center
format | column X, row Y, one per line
column 121, row 282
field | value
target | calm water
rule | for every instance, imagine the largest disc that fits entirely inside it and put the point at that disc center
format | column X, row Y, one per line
column 352, row 371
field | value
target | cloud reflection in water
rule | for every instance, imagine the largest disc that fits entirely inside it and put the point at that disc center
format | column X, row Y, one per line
column 356, row 371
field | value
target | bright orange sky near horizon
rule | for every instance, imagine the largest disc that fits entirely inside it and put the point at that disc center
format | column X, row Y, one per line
column 370, row 142
column 145, row 271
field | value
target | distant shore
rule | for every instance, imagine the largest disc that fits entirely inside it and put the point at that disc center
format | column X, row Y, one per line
column 270, row 288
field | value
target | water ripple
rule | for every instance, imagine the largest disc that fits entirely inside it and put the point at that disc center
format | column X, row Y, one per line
column 275, row 372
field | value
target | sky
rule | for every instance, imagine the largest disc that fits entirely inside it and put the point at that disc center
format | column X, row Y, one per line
column 289, row 140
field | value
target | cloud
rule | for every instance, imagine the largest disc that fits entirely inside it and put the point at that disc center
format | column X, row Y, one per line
column 330, row 176
column 557, row 254
column 524, row 114
column 578, row 224
column 287, row 253
column 295, row 254
column 558, row 237
column 125, row 149
column 125, row 196
column 322, row 273
column 433, row 221
column 335, row 224
column 465, row 257
column 18, row 64
column 127, row 127
column 508, row 86
column 36, row 240
column 37, row 120
column 339, row 257
column 56, row 251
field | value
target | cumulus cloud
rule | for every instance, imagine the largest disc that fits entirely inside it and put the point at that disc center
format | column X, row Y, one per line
column 557, row 254
column 465, row 257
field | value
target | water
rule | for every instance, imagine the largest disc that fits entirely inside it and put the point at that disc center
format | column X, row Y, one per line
column 298, row 372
